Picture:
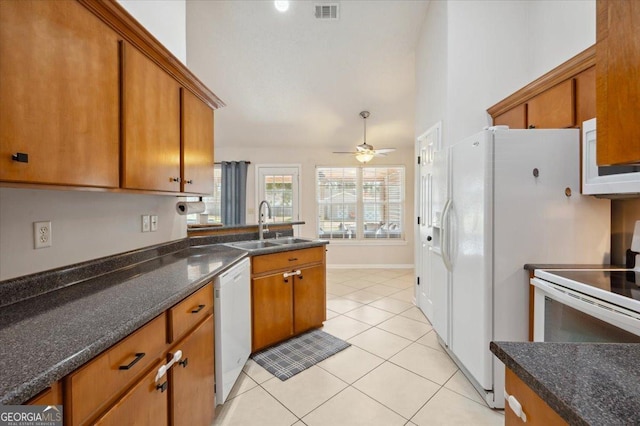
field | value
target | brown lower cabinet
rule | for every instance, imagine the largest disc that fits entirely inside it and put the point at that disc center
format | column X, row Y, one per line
column 536, row 410
column 192, row 379
column 50, row 396
column 146, row 403
column 288, row 294
column 119, row 386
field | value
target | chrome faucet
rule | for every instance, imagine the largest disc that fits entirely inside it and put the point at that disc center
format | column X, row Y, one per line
column 261, row 218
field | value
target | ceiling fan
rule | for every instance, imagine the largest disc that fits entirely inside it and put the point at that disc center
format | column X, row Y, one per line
column 365, row 152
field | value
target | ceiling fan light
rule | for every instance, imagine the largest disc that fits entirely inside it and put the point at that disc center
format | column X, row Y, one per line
column 281, row 5
column 364, row 157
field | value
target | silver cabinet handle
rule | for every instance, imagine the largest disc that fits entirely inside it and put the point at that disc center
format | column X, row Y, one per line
column 291, row 274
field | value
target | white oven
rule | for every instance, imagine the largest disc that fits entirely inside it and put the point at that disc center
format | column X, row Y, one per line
column 586, row 306
column 607, row 180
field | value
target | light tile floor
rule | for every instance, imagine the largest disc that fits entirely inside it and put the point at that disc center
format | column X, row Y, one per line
column 394, row 373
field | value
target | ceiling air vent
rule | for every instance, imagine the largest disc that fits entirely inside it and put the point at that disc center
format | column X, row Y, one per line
column 327, row 11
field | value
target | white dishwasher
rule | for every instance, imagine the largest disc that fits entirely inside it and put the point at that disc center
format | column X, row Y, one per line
column 232, row 307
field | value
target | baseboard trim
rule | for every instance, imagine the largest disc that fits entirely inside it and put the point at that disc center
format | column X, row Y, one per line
column 371, row 266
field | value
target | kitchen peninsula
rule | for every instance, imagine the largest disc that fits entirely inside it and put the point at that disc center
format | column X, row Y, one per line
column 57, row 321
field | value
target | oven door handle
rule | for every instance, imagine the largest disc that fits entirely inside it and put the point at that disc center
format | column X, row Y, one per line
column 604, row 311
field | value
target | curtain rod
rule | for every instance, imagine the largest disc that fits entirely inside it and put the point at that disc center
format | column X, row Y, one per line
column 219, row 162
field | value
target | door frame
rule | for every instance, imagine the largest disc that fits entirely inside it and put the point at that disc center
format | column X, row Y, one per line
column 259, row 189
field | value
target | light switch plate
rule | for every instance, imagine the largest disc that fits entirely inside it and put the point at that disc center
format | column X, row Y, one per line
column 146, row 226
column 154, row 223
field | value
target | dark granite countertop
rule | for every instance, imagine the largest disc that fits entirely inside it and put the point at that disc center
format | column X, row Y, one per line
column 585, row 383
column 221, row 227
column 45, row 337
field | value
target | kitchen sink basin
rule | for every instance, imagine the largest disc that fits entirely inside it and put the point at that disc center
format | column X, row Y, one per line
column 273, row 242
column 252, row 245
column 289, row 240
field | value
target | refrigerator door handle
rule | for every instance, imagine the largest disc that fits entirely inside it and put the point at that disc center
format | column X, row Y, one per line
column 445, row 236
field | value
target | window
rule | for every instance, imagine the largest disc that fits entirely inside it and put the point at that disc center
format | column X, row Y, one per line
column 362, row 203
column 213, row 203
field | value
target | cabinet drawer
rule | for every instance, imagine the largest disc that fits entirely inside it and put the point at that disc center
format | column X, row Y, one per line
column 537, row 411
column 93, row 387
column 187, row 314
column 286, row 260
column 50, row 396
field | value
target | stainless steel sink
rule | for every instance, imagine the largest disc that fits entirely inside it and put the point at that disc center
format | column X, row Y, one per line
column 275, row 242
column 252, row 245
column 290, row 240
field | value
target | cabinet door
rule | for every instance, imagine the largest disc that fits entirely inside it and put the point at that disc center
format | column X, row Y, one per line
column 192, row 380
column 197, row 145
column 146, row 403
column 60, row 95
column 151, row 121
column 554, row 108
column 515, row 118
column 585, row 95
column 272, row 310
column 310, row 297
column 618, row 81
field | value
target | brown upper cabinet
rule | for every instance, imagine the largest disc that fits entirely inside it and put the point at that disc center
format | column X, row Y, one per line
column 618, row 81
column 515, row 118
column 553, row 108
column 91, row 99
column 197, row 145
column 59, row 85
column 562, row 98
column 151, row 125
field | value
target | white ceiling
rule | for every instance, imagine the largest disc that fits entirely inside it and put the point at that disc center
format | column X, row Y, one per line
column 290, row 80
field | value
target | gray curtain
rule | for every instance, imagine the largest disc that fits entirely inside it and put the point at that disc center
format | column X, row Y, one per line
column 234, row 192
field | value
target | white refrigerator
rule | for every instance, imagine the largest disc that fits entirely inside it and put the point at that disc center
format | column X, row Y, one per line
column 509, row 197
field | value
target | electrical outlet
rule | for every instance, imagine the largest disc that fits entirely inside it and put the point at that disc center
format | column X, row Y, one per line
column 154, row 223
column 145, row 223
column 42, row 234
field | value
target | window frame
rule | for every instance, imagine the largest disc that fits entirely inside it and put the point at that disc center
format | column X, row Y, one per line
column 359, row 238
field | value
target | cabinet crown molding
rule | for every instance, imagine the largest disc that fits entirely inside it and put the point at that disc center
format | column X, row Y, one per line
column 114, row 15
column 582, row 61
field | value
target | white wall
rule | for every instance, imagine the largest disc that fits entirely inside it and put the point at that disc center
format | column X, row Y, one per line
column 431, row 68
column 558, row 30
column 339, row 254
column 88, row 225
column 85, row 225
column 165, row 19
column 472, row 54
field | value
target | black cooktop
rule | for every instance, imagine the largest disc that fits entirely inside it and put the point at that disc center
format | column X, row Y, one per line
column 624, row 282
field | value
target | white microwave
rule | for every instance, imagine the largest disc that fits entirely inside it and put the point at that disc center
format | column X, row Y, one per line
column 605, row 180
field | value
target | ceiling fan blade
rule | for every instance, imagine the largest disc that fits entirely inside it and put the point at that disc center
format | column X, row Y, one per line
column 384, row 150
column 379, row 154
column 345, row 152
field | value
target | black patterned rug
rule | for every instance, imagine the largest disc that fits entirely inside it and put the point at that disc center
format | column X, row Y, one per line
column 299, row 353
